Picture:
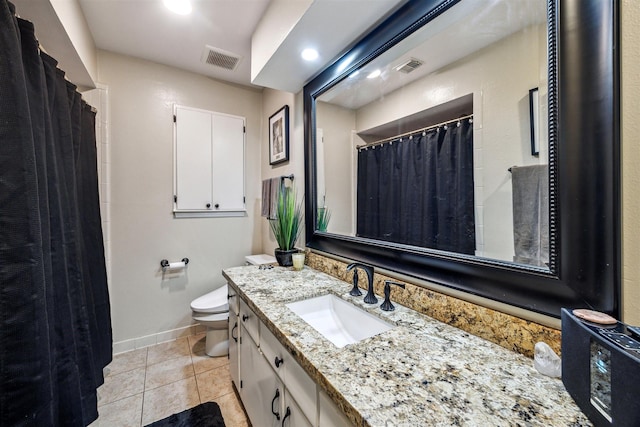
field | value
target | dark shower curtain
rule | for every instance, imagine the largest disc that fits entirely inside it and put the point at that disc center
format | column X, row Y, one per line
column 55, row 325
column 419, row 191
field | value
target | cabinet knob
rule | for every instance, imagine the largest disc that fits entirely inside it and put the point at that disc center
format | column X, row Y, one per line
column 244, row 317
column 217, row 205
column 278, row 361
column 208, row 205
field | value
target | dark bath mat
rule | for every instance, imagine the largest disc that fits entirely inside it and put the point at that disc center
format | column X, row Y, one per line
column 204, row 415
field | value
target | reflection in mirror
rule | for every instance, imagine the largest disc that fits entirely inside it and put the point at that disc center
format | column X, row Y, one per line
column 430, row 144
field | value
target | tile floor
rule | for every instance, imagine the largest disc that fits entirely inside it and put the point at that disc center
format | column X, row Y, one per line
column 145, row 385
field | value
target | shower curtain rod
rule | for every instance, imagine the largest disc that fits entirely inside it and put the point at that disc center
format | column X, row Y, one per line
column 382, row 141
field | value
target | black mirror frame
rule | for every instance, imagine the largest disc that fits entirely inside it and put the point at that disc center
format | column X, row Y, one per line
column 584, row 151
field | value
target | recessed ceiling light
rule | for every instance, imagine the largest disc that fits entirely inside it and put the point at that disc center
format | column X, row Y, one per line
column 181, row 7
column 309, row 54
column 374, row 74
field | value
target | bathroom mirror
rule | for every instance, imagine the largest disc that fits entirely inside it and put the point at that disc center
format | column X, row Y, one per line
column 507, row 79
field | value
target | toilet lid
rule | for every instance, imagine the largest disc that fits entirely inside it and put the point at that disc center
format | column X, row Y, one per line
column 213, row 302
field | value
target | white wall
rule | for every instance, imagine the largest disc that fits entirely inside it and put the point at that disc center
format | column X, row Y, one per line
column 337, row 124
column 143, row 230
column 274, row 100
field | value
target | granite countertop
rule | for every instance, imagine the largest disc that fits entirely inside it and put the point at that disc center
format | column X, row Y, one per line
column 422, row 372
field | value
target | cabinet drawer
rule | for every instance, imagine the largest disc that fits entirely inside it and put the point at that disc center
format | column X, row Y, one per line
column 250, row 321
column 273, row 351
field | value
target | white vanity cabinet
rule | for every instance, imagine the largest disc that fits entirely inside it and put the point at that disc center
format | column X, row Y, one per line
column 293, row 415
column 234, row 336
column 274, row 388
column 260, row 388
column 329, row 415
column 300, row 387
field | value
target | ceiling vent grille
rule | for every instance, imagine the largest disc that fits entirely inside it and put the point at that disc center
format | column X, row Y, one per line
column 408, row 66
column 220, row 58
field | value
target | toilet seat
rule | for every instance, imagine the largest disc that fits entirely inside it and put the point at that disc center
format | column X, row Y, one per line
column 213, row 302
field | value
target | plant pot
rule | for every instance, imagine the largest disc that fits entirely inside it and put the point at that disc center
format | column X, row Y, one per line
column 284, row 257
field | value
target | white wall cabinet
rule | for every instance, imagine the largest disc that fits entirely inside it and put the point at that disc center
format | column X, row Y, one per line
column 209, row 150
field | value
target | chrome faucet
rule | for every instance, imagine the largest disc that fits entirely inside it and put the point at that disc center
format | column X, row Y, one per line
column 370, row 298
column 386, row 305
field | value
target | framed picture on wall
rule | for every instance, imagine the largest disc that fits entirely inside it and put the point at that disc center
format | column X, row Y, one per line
column 279, row 136
column 534, row 106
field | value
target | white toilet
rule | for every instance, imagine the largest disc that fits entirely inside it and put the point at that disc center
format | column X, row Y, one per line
column 212, row 310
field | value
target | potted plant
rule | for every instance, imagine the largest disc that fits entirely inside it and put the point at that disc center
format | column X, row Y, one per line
column 324, row 215
column 287, row 225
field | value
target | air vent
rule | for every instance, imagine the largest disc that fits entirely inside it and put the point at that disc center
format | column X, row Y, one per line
column 220, row 58
column 408, row 66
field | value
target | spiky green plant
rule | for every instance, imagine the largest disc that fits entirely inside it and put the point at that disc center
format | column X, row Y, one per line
column 324, row 215
column 287, row 225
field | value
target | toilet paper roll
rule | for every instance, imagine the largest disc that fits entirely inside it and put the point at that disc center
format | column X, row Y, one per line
column 176, row 265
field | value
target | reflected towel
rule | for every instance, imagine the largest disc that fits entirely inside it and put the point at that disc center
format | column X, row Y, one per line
column 530, row 185
column 266, row 198
column 276, row 183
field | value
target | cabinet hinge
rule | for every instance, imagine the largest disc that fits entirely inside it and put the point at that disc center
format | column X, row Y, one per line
column 240, row 383
column 175, row 199
column 175, row 118
column 244, row 199
column 244, row 129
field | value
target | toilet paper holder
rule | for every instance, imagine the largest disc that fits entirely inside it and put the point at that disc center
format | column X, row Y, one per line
column 165, row 264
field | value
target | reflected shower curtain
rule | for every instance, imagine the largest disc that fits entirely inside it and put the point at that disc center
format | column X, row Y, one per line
column 419, row 191
column 55, row 325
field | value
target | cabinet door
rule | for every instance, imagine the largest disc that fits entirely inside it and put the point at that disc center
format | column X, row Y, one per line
column 228, row 158
column 293, row 415
column 260, row 387
column 330, row 414
column 234, row 348
column 233, row 299
column 290, row 372
column 194, row 162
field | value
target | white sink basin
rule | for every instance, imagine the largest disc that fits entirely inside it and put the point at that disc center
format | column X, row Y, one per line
column 340, row 322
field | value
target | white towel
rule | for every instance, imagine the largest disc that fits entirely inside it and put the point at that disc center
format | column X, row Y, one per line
column 531, row 214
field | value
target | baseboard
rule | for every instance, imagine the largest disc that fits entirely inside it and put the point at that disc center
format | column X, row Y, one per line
column 153, row 339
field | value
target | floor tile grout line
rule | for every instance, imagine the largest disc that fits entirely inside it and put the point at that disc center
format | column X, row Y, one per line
column 144, row 386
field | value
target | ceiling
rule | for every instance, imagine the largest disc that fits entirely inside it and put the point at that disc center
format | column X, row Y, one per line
column 146, row 29
column 466, row 28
